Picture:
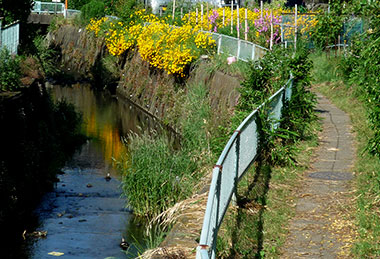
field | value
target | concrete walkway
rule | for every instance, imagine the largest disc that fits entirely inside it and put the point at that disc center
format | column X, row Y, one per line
column 322, row 226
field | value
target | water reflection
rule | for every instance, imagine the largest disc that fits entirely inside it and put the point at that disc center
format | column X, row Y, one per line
column 84, row 216
column 107, row 119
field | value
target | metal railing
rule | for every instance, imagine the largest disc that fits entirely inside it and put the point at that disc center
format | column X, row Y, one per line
column 9, row 36
column 48, row 7
column 239, row 153
column 241, row 49
column 71, row 13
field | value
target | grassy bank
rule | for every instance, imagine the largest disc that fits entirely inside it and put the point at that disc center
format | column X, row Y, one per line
column 155, row 174
column 367, row 167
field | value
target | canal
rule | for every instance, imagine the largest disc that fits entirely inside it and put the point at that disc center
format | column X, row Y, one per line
column 85, row 215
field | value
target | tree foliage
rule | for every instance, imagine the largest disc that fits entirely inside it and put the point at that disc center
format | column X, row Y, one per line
column 13, row 10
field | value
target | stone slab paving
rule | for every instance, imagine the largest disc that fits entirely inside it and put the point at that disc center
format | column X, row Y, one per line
column 320, row 228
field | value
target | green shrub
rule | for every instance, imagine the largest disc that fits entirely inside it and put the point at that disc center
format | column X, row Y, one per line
column 363, row 67
column 10, row 73
column 77, row 4
column 93, row 9
column 329, row 26
column 124, row 9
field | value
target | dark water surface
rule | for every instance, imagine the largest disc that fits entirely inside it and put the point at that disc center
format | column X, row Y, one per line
column 84, row 216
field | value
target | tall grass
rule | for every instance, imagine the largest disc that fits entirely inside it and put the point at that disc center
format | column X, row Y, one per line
column 155, row 175
column 326, row 67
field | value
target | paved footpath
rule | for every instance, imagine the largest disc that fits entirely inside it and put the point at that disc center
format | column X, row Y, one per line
column 322, row 227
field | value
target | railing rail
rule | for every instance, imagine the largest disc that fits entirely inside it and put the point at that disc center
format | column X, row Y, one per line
column 48, row 7
column 241, row 49
column 239, row 153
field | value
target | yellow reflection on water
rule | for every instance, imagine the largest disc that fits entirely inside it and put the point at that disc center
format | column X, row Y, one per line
column 108, row 134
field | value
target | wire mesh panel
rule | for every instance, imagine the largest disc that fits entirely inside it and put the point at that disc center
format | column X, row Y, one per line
column 249, row 141
column 48, row 7
column 10, row 37
column 241, row 49
column 275, row 109
column 228, row 178
column 260, row 52
column 229, row 46
column 245, row 50
column 72, row 13
column 239, row 153
column 352, row 27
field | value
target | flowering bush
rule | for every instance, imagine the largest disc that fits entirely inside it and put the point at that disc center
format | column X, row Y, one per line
column 163, row 46
column 172, row 48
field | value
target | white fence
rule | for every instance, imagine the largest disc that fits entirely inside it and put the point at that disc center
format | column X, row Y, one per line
column 241, row 49
column 48, row 7
column 239, row 153
column 9, row 37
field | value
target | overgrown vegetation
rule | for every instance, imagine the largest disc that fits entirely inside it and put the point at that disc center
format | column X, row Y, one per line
column 94, row 9
column 10, row 73
column 329, row 26
column 155, row 174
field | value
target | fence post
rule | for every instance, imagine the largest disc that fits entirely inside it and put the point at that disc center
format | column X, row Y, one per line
column 232, row 16
column 339, row 44
column 246, row 25
column 219, row 43
column 261, row 8
column 173, row 10
column 208, row 21
column 238, row 50
column 253, row 52
column 202, row 16
column 224, row 13
column 271, row 30
column 1, row 29
column 237, row 22
column 196, row 14
column 295, row 28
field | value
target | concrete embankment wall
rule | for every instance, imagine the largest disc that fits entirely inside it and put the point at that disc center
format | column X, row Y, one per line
column 84, row 55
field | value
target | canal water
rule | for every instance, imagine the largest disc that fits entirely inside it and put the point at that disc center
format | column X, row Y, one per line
column 85, row 216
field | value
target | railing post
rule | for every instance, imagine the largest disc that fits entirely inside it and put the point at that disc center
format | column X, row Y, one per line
column 1, row 37
column 238, row 50
column 219, row 43
column 295, row 28
column 236, row 180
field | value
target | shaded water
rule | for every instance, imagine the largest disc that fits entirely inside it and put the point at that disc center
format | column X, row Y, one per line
column 84, row 216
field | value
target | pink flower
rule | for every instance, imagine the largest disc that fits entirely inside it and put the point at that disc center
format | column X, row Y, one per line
column 231, row 60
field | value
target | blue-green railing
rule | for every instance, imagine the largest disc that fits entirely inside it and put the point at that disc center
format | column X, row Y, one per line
column 9, row 37
column 240, row 152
